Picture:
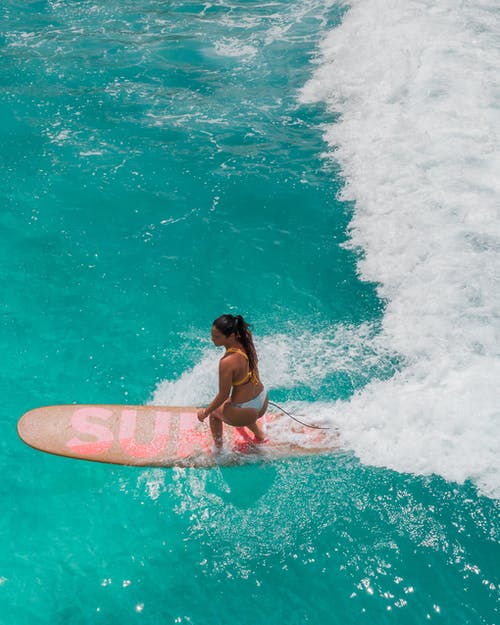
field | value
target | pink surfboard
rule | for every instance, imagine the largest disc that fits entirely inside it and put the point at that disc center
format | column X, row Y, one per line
column 159, row 436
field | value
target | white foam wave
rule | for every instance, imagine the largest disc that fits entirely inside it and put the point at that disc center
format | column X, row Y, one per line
column 416, row 86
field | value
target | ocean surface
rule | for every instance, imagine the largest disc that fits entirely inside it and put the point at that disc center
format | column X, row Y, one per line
column 330, row 171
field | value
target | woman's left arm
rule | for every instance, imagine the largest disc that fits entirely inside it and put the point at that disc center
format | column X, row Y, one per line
column 225, row 384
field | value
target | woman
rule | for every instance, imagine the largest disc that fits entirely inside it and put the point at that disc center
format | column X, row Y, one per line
column 238, row 371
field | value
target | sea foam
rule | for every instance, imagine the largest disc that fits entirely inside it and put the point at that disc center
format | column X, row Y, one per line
column 415, row 85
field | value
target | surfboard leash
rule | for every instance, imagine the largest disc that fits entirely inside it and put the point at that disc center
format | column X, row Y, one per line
column 308, row 425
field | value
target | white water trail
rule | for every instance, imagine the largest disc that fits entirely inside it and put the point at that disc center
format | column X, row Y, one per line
column 416, row 86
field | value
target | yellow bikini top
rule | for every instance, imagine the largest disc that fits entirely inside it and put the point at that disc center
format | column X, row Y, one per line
column 251, row 376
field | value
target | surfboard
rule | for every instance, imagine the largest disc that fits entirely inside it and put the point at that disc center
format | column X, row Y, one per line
column 160, row 436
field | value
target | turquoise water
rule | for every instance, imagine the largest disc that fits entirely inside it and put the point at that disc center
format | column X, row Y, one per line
column 159, row 170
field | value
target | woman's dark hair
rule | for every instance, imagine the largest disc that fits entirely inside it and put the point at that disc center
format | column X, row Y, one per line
column 235, row 324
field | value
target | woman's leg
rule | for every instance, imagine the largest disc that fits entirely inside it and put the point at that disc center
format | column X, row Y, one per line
column 216, row 429
column 258, row 432
column 216, row 420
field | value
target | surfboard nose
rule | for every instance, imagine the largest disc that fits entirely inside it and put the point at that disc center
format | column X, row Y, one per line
column 28, row 426
column 42, row 427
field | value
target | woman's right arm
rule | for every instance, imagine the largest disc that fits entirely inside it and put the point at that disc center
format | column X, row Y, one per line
column 225, row 385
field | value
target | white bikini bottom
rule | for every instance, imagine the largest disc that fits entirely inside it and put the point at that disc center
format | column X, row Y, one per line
column 256, row 402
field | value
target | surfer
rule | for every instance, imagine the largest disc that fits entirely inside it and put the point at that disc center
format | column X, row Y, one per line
column 238, row 370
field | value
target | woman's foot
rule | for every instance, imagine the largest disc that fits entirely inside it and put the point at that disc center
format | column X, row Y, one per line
column 248, row 447
column 260, row 441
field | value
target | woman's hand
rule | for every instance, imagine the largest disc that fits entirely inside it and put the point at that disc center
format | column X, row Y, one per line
column 202, row 414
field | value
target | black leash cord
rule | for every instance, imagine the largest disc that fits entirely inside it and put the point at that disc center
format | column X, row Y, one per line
column 316, row 427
